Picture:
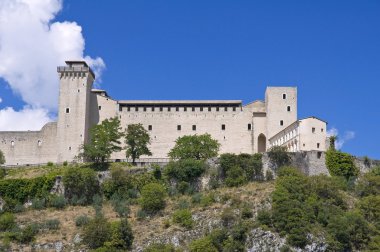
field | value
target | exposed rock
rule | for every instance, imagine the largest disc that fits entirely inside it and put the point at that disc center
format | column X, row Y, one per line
column 77, row 239
column 58, row 187
column 261, row 240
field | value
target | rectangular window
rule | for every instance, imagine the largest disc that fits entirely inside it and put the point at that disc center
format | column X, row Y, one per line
column 321, row 130
column 313, row 130
column 282, row 123
column 177, row 109
column 288, row 108
column 178, row 127
column 317, row 145
column 129, row 109
column 100, row 107
column 161, row 109
column 284, row 96
column 193, row 109
column 67, row 110
column 184, row 109
column 144, row 109
column 209, row 109
column 168, row 108
column 225, row 108
column 201, row 109
column 194, row 127
column 234, row 109
column 120, row 108
column 249, row 126
column 136, row 108
column 152, row 109
column 217, row 108
column 150, row 127
column 223, row 127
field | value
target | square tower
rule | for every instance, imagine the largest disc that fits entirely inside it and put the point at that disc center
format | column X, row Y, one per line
column 281, row 108
column 76, row 80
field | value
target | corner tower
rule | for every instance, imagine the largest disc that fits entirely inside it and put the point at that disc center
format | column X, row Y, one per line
column 76, row 80
column 281, row 108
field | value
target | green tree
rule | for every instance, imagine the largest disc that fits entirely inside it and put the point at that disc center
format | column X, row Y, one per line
column 137, row 140
column 202, row 245
column 332, row 140
column 341, row 164
column 2, row 158
column 104, row 140
column 279, row 156
column 97, row 232
column 195, row 147
column 153, row 197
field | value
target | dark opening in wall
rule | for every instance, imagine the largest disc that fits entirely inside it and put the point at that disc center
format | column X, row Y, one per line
column 193, row 109
column 144, row 109
column 313, row 130
column 318, row 145
column 184, row 109
column 152, row 109
column 100, row 107
column 223, row 127
column 209, row 109
column 161, row 109
column 217, row 108
column 136, row 109
column 177, row 109
column 319, row 154
column 201, row 109
column 234, row 109
column 225, row 108
column 284, row 96
column 168, row 108
column 282, row 123
column 249, row 126
column 288, row 108
column 178, row 127
column 150, row 127
column 194, row 127
column 67, row 110
column 129, row 109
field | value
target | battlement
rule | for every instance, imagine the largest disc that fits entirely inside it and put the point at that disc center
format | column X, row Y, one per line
column 75, row 66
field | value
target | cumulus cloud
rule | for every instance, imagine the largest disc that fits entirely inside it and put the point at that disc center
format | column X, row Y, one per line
column 25, row 119
column 31, row 47
column 341, row 139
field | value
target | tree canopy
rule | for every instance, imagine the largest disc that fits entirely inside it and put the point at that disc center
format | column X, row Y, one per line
column 198, row 147
column 137, row 140
column 104, row 140
column 2, row 158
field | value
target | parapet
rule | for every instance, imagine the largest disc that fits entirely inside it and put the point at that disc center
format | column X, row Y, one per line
column 75, row 66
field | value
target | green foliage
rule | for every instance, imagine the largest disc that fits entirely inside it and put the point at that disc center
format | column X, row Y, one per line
column 7, row 222
column 341, row 164
column 184, row 218
column 228, row 217
column 160, row 247
column 3, row 173
column 50, row 164
column 185, row 169
column 82, row 220
column 236, row 176
column 97, row 232
column 52, row 224
column 202, row 245
column 20, row 190
column 38, row 204
column 104, row 140
column 269, row 175
column 370, row 209
column 279, row 156
column 27, row 234
column 137, row 140
column 121, row 236
column 57, row 201
column 198, row 147
column 2, row 158
column 153, row 197
column 80, row 183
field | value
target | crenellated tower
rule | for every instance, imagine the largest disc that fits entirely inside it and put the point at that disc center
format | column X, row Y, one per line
column 76, row 80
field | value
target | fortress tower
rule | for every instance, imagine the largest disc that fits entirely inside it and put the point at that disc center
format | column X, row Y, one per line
column 76, row 80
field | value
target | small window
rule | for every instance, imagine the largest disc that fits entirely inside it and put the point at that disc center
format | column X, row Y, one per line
column 193, row 109
column 168, row 108
column 282, row 123
column 129, row 109
column 223, row 127
column 178, row 127
column 249, row 126
column 209, row 109
column 225, row 108
column 321, row 130
column 284, row 96
column 234, row 109
column 288, row 108
column 149, row 127
column 152, row 109
column 67, row 110
column 217, row 108
column 78, row 90
column 100, row 107
column 161, row 109
column 313, row 130
column 12, row 143
column 201, row 109
column 70, row 148
column 120, row 108
column 304, row 145
column 39, row 143
column 136, row 109
column 319, row 154
column 184, row 109
column 144, row 109
column 318, row 145
column 194, row 127
column 177, row 109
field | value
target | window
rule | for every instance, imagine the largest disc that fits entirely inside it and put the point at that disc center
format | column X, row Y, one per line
column 319, row 154
column 321, row 130
column 78, row 90
column 225, row 108
column 12, row 143
column 201, row 108
column 288, row 108
column 100, row 107
column 67, row 110
column 177, row 109
column 69, row 147
column 161, row 109
column 217, row 108
column 39, row 143
column 184, row 109
column 249, row 126
column 168, row 108
column 209, row 108
column 149, row 127
column 234, row 109
column 129, row 109
column 313, row 130
column 194, row 127
column 178, row 127
column 120, row 108
column 282, row 123
column 136, row 109
column 317, row 145
column 223, row 127
column 283, row 96
column 152, row 109
column 144, row 109
column 193, row 109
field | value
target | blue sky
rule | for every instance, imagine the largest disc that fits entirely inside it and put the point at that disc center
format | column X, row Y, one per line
column 204, row 49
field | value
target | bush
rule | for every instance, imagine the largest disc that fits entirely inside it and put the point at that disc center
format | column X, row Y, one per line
column 65, row 163
column 7, row 221
column 82, row 220
column 246, row 212
column 236, row 177
column 279, row 156
column 141, row 215
column 186, row 170
column 38, row 204
column 341, row 164
column 27, row 234
column 57, row 201
column 228, row 217
column 160, row 247
column 153, row 197
column 202, row 245
column 122, row 236
column 81, row 182
column 184, row 218
column 264, row 217
column 97, row 232
column 50, row 164
column 3, row 173
column 183, row 187
column 52, row 224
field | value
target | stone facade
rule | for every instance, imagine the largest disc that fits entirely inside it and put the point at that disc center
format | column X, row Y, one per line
column 239, row 128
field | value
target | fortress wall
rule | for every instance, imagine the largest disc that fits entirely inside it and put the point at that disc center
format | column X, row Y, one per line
column 102, row 107
column 236, row 138
column 30, row 147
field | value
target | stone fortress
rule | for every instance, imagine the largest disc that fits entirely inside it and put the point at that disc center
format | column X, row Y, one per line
column 250, row 128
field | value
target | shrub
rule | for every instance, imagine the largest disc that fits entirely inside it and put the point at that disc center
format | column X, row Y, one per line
column 207, row 199
column 185, row 169
column 81, row 182
column 121, row 237
column 157, row 172
column 7, row 221
column 27, row 234
column 279, row 156
column 183, row 187
column 246, row 212
column 218, row 237
column 50, row 164
column 160, row 247
column 120, row 206
column 183, row 204
column 264, row 217
column 3, row 173
column 249, row 166
column 82, row 220
column 341, row 164
column 97, row 232
column 153, row 197
column 52, row 224
column 184, row 218
column 236, row 176
column 65, row 163
column 141, row 215
column 202, row 245
column 38, row 204
column 228, row 217
column 57, row 201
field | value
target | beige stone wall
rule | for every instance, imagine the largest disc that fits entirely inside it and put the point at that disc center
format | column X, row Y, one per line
column 312, row 134
column 30, row 147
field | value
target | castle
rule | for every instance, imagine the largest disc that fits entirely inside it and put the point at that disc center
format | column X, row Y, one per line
column 250, row 128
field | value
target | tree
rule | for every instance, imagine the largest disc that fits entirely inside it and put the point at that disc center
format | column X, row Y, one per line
column 332, row 140
column 137, row 140
column 195, row 146
column 2, row 158
column 279, row 156
column 341, row 164
column 104, row 140
column 97, row 232
column 153, row 197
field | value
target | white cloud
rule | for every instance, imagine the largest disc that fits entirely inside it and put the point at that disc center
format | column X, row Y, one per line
column 26, row 119
column 341, row 140
column 32, row 46
column 1, row 100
